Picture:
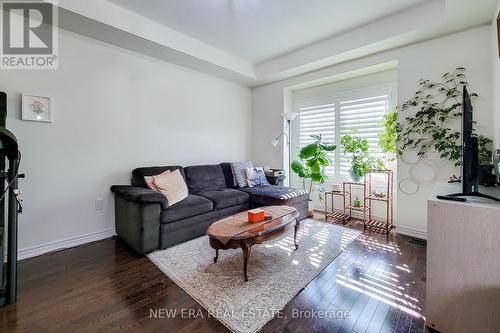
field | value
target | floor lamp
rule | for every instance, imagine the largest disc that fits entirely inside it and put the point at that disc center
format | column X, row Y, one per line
column 289, row 117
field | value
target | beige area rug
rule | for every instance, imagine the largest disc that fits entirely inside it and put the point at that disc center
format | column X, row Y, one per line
column 276, row 272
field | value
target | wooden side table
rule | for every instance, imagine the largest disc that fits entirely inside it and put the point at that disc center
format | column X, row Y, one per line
column 276, row 180
column 336, row 217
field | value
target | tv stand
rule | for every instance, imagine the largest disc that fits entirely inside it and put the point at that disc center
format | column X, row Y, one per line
column 463, row 270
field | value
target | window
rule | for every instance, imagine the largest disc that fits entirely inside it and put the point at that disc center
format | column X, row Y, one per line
column 364, row 115
column 335, row 115
column 319, row 119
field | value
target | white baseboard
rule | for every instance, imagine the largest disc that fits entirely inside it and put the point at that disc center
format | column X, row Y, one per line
column 34, row 251
column 411, row 232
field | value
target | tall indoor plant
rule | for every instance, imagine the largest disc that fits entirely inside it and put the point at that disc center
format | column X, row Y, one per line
column 358, row 150
column 432, row 115
column 313, row 159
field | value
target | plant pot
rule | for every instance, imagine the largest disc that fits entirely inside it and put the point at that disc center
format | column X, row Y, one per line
column 310, row 209
column 355, row 177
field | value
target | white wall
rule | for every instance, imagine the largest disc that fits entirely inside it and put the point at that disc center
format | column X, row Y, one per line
column 114, row 111
column 428, row 59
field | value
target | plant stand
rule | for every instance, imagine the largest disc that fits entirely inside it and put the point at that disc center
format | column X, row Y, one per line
column 333, row 216
column 382, row 226
column 348, row 190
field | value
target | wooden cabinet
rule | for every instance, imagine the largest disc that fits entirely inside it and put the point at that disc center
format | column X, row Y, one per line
column 463, row 266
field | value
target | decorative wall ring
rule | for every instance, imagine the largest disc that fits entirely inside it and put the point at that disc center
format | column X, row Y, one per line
column 412, row 172
column 433, row 157
column 410, row 157
column 408, row 182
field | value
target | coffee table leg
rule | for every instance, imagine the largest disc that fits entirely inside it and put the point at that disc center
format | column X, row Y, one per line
column 216, row 255
column 297, row 225
column 246, row 254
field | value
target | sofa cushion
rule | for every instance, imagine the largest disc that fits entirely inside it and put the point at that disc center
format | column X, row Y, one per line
column 275, row 195
column 204, row 178
column 191, row 206
column 139, row 173
column 228, row 175
column 225, row 197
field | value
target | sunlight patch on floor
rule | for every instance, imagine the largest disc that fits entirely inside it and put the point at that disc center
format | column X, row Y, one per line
column 381, row 299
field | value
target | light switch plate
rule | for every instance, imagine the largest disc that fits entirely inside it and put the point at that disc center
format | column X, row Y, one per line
column 99, row 204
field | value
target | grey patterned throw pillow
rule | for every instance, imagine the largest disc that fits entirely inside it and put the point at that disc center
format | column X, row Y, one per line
column 240, row 172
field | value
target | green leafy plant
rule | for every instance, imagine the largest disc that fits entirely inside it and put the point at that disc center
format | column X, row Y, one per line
column 358, row 150
column 313, row 159
column 357, row 202
column 390, row 135
column 485, row 149
column 438, row 106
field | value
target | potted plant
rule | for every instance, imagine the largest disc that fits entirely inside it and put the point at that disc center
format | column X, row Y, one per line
column 313, row 159
column 361, row 161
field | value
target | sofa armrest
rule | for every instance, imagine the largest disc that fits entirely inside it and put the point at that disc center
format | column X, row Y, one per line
column 140, row 195
column 137, row 216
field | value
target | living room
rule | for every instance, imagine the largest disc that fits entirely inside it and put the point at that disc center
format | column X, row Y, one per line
column 141, row 139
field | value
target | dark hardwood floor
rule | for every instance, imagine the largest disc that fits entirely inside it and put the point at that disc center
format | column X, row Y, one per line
column 105, row 287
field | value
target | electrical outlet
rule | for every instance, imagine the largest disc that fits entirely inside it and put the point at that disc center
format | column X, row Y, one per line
column 99, row 204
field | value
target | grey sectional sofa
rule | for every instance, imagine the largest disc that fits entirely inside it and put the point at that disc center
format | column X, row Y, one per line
column 146, row 221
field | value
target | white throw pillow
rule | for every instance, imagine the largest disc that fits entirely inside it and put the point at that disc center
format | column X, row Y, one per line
column 150, row 181
column 256, row 177
column 171, row 185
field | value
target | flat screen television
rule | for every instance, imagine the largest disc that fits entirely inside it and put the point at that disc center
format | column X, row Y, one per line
column 470, row 153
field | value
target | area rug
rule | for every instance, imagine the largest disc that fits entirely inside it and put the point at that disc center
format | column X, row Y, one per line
column 276, row 273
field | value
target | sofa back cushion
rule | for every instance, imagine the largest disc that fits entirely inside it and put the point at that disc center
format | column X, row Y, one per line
column 228, row 175
column 139, row 173
column 204, row 178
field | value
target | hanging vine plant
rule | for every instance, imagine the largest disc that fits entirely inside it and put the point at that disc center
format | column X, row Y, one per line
column 390, row 135
column 434, row 125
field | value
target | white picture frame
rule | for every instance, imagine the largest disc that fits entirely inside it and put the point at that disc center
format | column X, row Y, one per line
column 37, row 108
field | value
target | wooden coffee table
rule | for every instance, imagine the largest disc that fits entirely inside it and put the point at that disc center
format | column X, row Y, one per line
column 236, row 232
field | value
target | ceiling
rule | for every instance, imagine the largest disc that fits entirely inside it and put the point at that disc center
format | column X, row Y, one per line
column 256, row 42
column 259, row 30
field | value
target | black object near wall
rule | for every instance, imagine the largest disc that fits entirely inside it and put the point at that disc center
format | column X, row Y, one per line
column 470, row 156
column 9, row 157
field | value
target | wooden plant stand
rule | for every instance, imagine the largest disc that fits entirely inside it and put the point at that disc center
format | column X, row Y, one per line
column 365, row 207
column 382, row 226
column 335, row 216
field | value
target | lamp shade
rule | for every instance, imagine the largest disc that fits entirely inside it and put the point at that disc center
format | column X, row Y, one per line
column 289, row 116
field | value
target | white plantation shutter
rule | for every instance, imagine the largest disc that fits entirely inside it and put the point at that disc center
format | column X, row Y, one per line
column 315, row 120
column 335, row 115
column 364, row 115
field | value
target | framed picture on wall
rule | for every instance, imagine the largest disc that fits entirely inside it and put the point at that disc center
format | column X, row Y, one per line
column 37, row 108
